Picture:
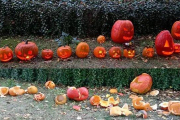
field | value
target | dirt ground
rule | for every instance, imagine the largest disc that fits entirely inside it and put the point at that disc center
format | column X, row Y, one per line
column 24, row 107
column 90, row 62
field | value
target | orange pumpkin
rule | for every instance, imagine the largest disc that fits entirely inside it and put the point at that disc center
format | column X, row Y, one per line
column 32, row 90
column 16, row 90
column 3, row 91
column 141, row 84
column 39, row 97
column 60, row 99
column 82, row 50
column 140, row 105
column 129, row 52
column 26, row 50
column 175, row 30
column 6, row 54
column 101, row 39
column 115, row 52
column 176, row 47
column 95, row 100
column 99, row 52
column 47, row 54
column 50, row 84
column 148, row 52
column 64, row 52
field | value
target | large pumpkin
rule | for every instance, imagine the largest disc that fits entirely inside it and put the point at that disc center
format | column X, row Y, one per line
column 6, row 54
column 115, row 52
column 141, row 84
column 99, row 52
column 164, row 43
column 64, row 52
column 47, row 54
column 122, row 31
column 82, row 50
column 26, row 50
column 175, row 30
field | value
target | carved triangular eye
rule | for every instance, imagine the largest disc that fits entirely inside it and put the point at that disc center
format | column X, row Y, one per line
column 166, row 44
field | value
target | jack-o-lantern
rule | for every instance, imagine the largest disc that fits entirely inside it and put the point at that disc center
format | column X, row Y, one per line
column 82, row 50
column 101, row 39
column 175, row 30
column 64, row 52
column 177, row 47
column 115, row 52
column 99, row 52
column 148, row 52
column 129, row 52
column 26, row 50
column 164, row 43
column 47, row 54
column 122, row 31
column 6, row 54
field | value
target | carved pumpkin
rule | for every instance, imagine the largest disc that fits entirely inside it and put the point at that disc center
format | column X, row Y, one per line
column 101, row 39
column 175, row 30
column 164, row 43
column 95, row 100
column 148, row 52
column 3, row 91
column 129, row 52
column 82, row 50
column 39, row 97
column 47, row 54
column 177, row 47
column 99, row 52
column 60, row 99
column 50, row 84
column 26, row 50
column 174, row 107
column 32, row 90
column 64, row 52
column 141, row 84
column 122, row 31
column 6, row 54
column 115, row 52
column 16, row 90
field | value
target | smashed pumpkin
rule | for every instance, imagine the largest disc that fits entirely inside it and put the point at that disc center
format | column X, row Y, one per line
column 95, row 100
column 112, row 101
column 39, row 96
column 60, row 99
column 174, row 107
column 3, row 91
column 50, row 84
column 16, row 90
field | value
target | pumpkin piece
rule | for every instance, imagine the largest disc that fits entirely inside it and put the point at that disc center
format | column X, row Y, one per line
column 39, row 96
column 47, row 54
column 148, row 52
column 76, row 107
column 60, row 99
column 14, row 91
column 115, row 52
column 174, row 107
column 82, row 50
column 132, row 96
column 176, row 47
column 104, row 104
column 26, row 50
column 142, row 113
column 154, row 92
column 6, row 54
column 141, row 84
column 112, row 101
column 101, row 39
column 115, row 111
column 64, row 52
column 32, row 90
column 154, row 107
column 113, row 91
column 99, row 52
column 164, row 43
column 129, row 52
column 164, row 105
column 95, row 100
column 175, row 30
column 3, row 91
column 50, row 84
column 140, row 105
column 122, row 31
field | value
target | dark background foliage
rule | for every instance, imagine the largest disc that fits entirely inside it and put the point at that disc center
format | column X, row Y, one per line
column 84, row 18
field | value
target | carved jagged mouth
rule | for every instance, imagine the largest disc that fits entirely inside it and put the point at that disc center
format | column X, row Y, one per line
column 167, row 53
column 102, row 55
column 116, row 55
column 48, row 57
column 177, row 34
column 127, row 38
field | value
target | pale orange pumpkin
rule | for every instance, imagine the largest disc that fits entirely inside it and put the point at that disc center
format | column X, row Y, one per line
column 50, row 84
column 60, row 99
column 32, row 90
column 95, row 100
column 3, row 91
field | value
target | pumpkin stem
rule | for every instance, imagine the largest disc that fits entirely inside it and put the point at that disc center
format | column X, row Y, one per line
column 27, row 41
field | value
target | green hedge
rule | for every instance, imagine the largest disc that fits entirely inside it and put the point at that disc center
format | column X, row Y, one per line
column 27, row 17
column 162, row 78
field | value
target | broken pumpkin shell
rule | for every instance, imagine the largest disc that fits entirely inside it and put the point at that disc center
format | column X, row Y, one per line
column 112, row 101
column 60, row 99
column 4, row 91
column 32, row 90
column 39, row 96
column 95, row 100
column 164, row 105
column 142, row 113
column 14, row 91
column 104, row 103
column 113, row 91
column 115, row 111
column 154, row 92
column 50, row 84
column 174, row 107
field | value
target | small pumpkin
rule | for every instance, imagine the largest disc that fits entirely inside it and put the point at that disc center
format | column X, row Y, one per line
column 101, row 39
column 6, row 54
column 177, row 47
column 64, row 52
column 115, row 52
column 175, row 30
column 26, row 50
column 3, row 91
column 99, row 52
column 60, row 99
column 174, row 107
column 32, row 90
column 148, row 52
column 39, row 96
column 47, row 54
column 95, row 100
column 82, row 50
column 50, row 84
column 129, row 52
column 16, row 90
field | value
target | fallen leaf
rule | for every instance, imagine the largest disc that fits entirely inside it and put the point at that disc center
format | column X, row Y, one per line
column 76, row 107
column 121, row 94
